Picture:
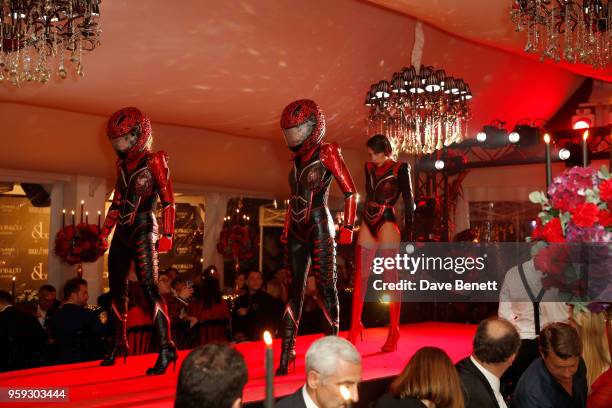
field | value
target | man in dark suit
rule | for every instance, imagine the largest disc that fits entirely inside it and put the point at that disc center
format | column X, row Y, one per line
column 557, row 379
column 21, row 337
column 46, row 305
column 254, row 312
column 331, row 362
column 496, row 344
column 73, row 327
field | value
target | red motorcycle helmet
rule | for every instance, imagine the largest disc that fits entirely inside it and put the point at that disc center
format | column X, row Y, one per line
column 130, row 120
column 303, row 125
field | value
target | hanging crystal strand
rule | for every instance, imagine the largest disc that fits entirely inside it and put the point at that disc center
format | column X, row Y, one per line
column 438, row 125
column 79, row 68
column 536, row 30
column 14, row 74
column 582, row 54
column 61, row 70
column 2, row 63
column 568, row 52
column 529, row 45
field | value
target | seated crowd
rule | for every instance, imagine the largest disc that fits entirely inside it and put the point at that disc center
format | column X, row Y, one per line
column 571, row 367
column 48, row 331
column 573, row 370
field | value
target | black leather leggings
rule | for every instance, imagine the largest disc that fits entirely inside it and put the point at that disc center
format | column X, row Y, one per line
column 316, row 248
column 137, row 244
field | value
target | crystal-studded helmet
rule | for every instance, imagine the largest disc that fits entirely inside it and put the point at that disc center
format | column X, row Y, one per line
column 129, row 131
column 303, row 125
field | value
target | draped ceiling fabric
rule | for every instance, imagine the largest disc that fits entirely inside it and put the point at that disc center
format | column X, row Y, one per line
column 481, row 21
column 214, row 77
column 232, row 66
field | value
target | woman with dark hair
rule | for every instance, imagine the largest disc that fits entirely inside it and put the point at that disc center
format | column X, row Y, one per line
column 211, row 305
column 386, row 180
column 428, row 380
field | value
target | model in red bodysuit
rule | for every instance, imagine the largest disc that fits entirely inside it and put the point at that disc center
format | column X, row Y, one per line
column 386, row 180
column 309, row 228
column 142, row 180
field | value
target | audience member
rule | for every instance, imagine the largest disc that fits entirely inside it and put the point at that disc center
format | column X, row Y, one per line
column 177, row 302
column 172, row 274
column 211, row 306
column 22, row 338
column 73, row 327
column 428, row 380
column 277, row 290
column 212, row 376
column 595, row 335
column 529, row 307
column 558, row 378
column 313, row 318
column 239, row 285
column 45, row 306
column 279, row 299
column 331, row 362
column 254, row 311
column 496, row 344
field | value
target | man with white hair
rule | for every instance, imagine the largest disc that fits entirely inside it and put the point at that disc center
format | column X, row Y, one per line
column 331, row 362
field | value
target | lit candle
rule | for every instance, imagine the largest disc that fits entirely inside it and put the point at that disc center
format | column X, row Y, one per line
column 585, row 149
column 548, row 163
column 269, row 402
column 82, row 206
column 99, row 215
column 346, row 394
column 72, row 212
column 63, row 218
column 86, row 217
column 13, row 289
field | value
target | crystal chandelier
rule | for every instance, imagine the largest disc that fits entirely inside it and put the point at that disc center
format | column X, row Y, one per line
column 575, row 30
column 420, row 111
column 38, row 37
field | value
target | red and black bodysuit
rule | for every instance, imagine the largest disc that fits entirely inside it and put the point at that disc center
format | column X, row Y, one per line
column 142, row 180
column 309, row 228
column 384, row 185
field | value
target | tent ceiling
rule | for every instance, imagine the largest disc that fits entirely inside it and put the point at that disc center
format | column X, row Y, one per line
column 231, row 66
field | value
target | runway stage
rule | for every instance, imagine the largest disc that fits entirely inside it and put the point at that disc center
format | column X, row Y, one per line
column 127, row 386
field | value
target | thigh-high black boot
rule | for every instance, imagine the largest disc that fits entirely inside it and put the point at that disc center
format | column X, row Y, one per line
column 146, row 269
column 300, row 262
column 324, row 264
column 119, row 261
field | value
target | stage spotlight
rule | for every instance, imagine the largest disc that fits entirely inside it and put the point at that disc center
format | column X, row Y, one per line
column 574, row 154
column 514, row 137
column 481, row 136
column 527, row 135
column 582, row 124
column 564, row 154
column 439, row 165
column 496, row 135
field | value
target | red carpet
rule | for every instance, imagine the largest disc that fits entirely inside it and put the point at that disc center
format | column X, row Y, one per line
column 126, row 385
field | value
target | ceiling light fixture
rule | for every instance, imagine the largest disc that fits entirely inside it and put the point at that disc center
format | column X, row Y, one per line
column 38, row 37
column 421, row 110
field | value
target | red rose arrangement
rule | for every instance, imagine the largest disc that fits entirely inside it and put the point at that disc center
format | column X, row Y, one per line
column 237, row 243
column 80, row 247
column 574, row 230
